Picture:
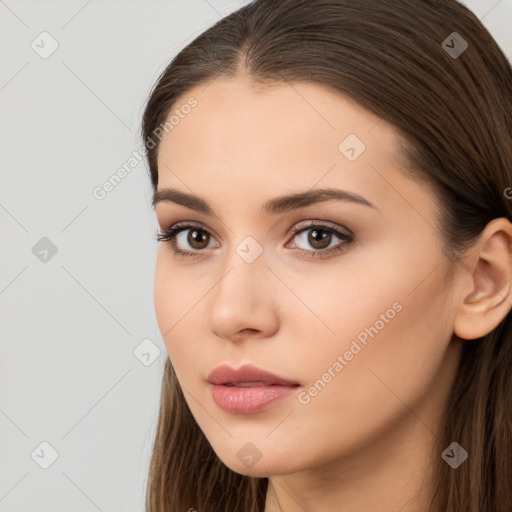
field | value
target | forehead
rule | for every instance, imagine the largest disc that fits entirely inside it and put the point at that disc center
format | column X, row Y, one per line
column 236, row 122
column 261, row 141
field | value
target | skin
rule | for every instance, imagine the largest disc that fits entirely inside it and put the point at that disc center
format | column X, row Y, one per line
column 365, row 442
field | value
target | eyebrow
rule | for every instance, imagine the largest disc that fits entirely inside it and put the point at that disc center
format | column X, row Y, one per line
column 274, row 206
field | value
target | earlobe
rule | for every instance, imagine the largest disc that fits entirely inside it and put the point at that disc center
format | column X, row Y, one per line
column 482, row 309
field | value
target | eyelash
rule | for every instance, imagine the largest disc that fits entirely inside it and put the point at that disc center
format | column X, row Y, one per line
column 169, row 235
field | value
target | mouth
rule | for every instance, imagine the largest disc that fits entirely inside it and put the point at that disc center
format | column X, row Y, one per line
column 248, row 390
column 246, row 375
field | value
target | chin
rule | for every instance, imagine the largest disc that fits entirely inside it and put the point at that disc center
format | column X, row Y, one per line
column 261, row 469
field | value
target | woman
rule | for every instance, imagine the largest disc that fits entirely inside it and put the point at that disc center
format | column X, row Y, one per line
column 333, row 283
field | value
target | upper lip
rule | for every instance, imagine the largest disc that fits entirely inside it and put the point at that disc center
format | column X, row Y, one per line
column 224, row 374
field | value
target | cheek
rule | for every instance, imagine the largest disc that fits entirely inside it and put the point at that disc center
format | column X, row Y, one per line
column 176, row 291
column 170, row 300
column 371, row 289
column 177, row 309
column 391, row 318
column 337, row 302
column 163, row 297
column 389, row 351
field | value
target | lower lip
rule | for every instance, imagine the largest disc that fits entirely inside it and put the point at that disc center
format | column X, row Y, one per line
column 248, row 400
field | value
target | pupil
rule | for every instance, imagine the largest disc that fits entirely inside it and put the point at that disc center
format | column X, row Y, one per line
column 316, row 241
column 196, row 237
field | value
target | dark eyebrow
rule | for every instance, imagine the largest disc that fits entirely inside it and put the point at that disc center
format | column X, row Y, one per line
column 275, row 206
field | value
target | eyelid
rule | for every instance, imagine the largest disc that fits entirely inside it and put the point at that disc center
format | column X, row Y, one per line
column 304, row 225
column 187, row 224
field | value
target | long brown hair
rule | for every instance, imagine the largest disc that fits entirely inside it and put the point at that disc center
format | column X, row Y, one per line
column 401, row 60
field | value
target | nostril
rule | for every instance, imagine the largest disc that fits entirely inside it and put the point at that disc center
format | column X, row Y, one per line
column 249, row 330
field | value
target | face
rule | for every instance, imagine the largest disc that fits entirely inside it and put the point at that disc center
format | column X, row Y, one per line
column 344, row 295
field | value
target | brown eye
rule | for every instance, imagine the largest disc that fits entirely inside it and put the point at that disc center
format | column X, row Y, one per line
column 319, row 238
column 187, row 239
column 196, row 239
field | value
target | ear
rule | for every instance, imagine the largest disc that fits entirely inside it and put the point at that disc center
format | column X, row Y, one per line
column 489, row 282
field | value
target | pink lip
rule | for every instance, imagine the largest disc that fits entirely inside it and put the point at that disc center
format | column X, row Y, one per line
column 228, row 396
column 224, row 374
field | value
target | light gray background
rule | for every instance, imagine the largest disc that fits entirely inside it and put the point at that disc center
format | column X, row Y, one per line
column 70, row 324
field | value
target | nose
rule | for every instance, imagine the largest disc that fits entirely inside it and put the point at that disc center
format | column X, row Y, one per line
column 243, row 302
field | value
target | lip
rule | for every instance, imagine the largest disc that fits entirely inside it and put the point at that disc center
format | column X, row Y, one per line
column 248, row 389
column 224, row 374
